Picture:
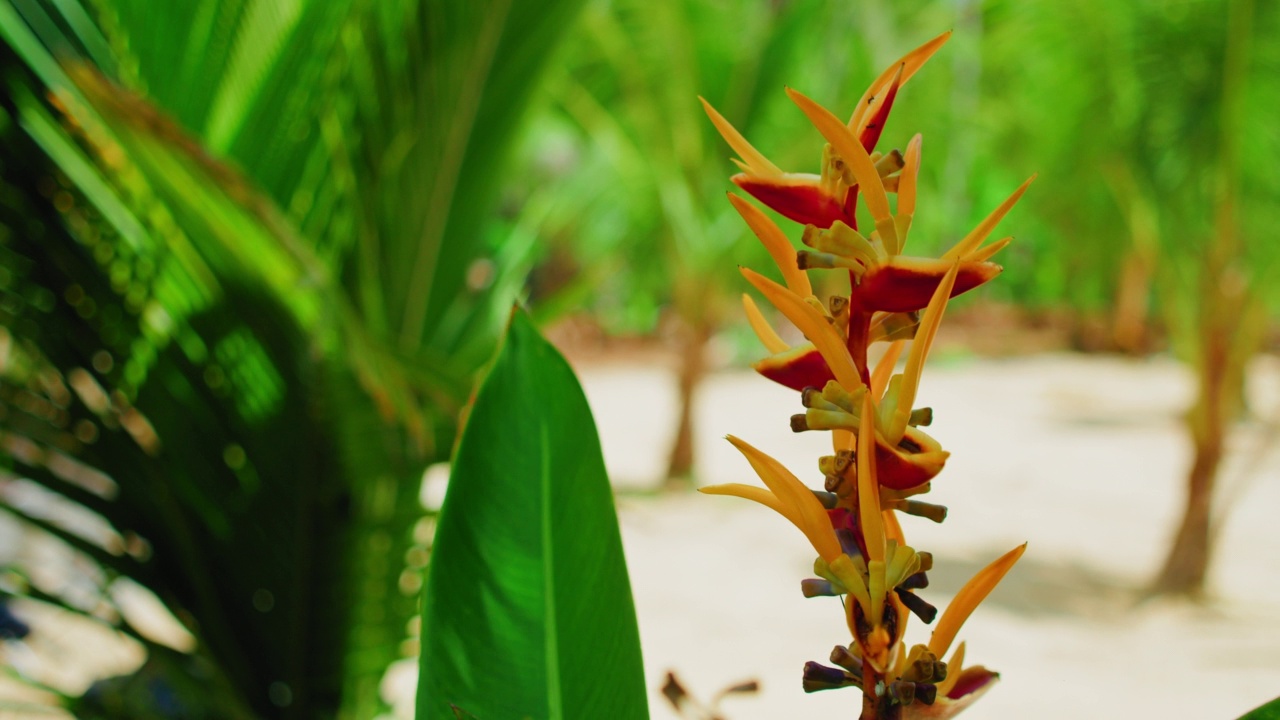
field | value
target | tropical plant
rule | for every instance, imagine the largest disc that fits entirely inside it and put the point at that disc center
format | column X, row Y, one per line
column 647, row 213
column 528, row 609
column 881, row 456
column 248, row 275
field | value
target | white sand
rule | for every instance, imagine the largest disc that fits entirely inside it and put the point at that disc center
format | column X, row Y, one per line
column 1083, row 457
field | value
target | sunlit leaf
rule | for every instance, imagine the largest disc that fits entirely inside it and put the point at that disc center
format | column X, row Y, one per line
column 528, row 609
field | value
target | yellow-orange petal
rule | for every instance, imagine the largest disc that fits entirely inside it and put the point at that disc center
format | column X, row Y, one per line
column 909, row 176
column 798, row 503
column 954, row 667
column 925, row 333
column 748, row 492
column 984, row 253
column 893, row 528
column 843, row 440
column 911, row 62
column 796, row 196
column 851, row 151
column 779, row 247
column 868, row 489
column 884, row 369
column 763, row 330
column 984, row 228
column 905, row 284
column 967, row 600
column 812, row 324
column 758, row 163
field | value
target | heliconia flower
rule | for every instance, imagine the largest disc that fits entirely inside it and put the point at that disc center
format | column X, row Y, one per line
column 803, row 366
column 881, row 459
column 794, row 367
column 787, row 496
column 829, row 197
column 961, row 686
column 886, row 280
column 907, row 457
column 870, row 582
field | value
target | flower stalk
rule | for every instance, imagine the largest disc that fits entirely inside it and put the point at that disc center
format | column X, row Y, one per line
column 881, row 457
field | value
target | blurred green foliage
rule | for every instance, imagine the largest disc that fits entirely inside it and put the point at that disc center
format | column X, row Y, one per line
column 244, row 299
column 1115, row 105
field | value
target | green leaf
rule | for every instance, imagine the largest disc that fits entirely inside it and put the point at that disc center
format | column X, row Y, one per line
column 528, row 609
column 1268, row 711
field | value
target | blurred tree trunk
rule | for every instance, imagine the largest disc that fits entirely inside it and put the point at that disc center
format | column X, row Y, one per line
column 1187, row 564
column 693, row 339
column 1129, row 323
column 1226, row 331
column 1130, row 332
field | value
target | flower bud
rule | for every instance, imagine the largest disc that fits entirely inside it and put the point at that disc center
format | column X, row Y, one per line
column 820, row 677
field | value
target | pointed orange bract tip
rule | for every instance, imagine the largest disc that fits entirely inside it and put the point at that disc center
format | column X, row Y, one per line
column 884, row 369
column 967, row 600
column 909, row 176
column 747, row 492
column 911, row 62
column 797, row 503
column 758, row 163
column 850, row 150
column 984, row 228
column 984, row 253
column 779, row 247
column 763, row 330
column 925, row 333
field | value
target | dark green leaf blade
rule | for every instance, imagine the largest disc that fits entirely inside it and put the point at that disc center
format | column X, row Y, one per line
column 528, row 609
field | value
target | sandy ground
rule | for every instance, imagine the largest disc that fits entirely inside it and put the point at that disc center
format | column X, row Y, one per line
column 1082, row 457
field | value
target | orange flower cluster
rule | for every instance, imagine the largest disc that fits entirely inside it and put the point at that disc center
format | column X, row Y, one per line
column 881, row 457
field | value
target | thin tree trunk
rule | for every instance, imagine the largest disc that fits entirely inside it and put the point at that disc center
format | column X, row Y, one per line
column 693, row 343
column 1225, row 334
column 1187, row 564
column 1129, row 323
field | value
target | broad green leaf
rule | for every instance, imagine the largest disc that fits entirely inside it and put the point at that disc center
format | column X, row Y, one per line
column 1268, row 711
column 528, row 609
column 205, row 209
column 276, row 501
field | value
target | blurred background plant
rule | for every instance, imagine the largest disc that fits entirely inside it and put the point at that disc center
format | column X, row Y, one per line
column 253, row 253
column 1150, row 233
column 250, row 267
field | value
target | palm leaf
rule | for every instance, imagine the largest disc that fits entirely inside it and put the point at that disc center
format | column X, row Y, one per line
column 201, row 268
